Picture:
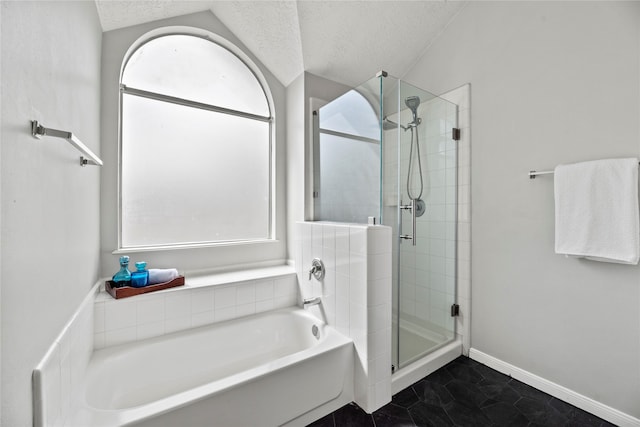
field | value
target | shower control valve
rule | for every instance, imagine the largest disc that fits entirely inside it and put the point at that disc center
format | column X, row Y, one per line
column 317, row 269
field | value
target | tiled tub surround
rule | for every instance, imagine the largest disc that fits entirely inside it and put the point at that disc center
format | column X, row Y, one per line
column 204, row 299
column 61, row 370
column 356, row 296
column 101, row 321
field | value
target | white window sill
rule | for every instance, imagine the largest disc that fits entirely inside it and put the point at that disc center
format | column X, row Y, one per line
column 216, row 279
column 143, row 249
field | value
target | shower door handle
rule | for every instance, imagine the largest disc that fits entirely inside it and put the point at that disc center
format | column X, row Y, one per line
column 413, row 221
column 413, row 208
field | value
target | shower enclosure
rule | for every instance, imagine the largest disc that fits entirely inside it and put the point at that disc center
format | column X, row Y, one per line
column 388, row 150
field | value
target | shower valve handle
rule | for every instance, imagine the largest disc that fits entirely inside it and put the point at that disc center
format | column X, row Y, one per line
column 317, row 269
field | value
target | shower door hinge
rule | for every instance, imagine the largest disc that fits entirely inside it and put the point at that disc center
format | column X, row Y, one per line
column 455, row 310
column 455, row 134
column 316, row 194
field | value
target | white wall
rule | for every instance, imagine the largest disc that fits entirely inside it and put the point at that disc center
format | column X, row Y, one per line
column 50, row 205
column 552, row 82
column 299, row 150
column 114, row 47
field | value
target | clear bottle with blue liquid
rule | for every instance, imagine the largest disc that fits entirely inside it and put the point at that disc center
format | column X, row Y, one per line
column 140, row 278
column 122, row 277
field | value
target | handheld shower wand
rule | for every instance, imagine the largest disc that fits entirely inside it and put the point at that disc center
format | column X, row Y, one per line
column 413, row 102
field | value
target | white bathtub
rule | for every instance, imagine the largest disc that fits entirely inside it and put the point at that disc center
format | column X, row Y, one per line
column 263, row 370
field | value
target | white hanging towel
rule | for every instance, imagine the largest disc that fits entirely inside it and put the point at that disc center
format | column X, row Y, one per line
column 597, row 210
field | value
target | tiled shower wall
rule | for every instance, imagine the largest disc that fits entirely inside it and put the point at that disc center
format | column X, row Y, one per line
column 356, row 296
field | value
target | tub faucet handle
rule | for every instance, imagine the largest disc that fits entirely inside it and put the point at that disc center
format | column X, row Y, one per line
column 317, row 269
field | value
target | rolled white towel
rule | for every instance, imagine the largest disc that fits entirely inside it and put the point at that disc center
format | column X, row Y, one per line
column 161, row 275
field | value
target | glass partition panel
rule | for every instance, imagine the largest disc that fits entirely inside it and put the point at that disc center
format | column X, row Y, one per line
column 347, row 157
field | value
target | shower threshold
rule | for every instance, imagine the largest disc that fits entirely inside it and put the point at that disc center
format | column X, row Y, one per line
column 437, row 358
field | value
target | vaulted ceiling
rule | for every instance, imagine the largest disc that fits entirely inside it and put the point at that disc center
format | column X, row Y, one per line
column 345, row 41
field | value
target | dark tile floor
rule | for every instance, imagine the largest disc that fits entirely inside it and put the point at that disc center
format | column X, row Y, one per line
column 466, row 393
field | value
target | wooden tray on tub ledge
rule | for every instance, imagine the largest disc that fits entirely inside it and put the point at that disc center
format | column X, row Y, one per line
column 129, row 291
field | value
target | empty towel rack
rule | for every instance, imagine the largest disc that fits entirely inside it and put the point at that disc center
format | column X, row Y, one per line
column 87, row 158
column 534, row 174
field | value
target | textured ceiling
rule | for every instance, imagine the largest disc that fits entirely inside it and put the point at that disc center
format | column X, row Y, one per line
column 345, row 41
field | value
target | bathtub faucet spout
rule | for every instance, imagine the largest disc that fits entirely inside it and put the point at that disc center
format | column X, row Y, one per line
column 311, row 301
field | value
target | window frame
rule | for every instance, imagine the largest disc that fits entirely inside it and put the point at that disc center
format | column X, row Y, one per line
column 271, row 120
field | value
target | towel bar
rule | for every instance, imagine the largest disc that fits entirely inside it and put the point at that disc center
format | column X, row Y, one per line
column 87, row 158
column 533, row 174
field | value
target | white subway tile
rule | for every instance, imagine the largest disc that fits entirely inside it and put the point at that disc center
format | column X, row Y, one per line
column 342, row 239
column 382, row 393
column 329, row 236
column 176, row 324
column 317, row 235
column 98, row 340
column 225, row 313
column 246, row 294
column 225, row 297
column 285, row 301
column 342, row 263
column 264, row 290
column 265, row 305
column 422, row 294
column 120, row 336
column 120, row 314
column 329, row 258
column 98, row 317
column 357, row 320
column 357, row 266
column 378, row 317
column 177, row 304
column 150, row 310
column 329, row 283
column 285, row 286
column 342, row 307
column 150, row 330
column 65, row 387
column 357, row 291
column 358, row 240
column 202, row 300
column 408, row 306
column 245, row 309
column 380, row 342
column 379, row 292
column 379, row 266
column 51, row 380
column 202, row 318
column 378, row 240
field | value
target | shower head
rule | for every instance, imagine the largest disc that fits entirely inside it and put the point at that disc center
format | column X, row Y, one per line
column 413, row 102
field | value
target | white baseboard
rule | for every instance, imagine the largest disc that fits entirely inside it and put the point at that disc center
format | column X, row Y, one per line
column 576, row 399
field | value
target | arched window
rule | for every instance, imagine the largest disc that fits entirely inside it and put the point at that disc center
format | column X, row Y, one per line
column 196, row 151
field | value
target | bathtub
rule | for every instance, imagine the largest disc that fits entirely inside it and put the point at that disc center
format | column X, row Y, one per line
column 264, row 370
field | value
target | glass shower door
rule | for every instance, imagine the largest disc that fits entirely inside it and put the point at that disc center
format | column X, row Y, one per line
column 425, row 182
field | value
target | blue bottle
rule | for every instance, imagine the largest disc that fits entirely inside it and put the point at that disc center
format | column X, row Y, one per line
column 140, row 278
column 122, row 277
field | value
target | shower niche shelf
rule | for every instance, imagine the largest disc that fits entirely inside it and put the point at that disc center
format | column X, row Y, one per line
column 129, row 291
